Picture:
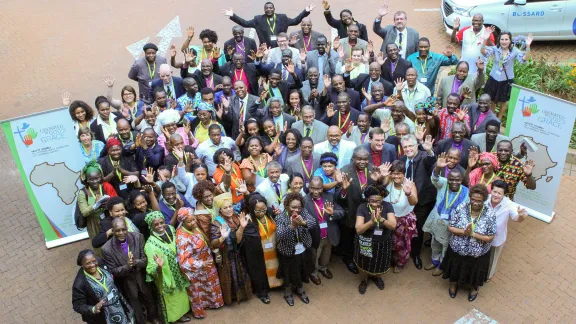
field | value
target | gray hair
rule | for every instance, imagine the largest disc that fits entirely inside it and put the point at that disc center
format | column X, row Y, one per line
column 409, row 138
column 401, row 125
column 275, row 99
column 360, row 149
column 308, row 107
column 273, row 164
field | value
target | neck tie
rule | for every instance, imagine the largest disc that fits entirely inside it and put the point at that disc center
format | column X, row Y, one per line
column 410, row 171
column 169, row 91
column 284, row 74
column 400, row 44
column 241, row 111
column 335, row 149
column 307, row 132
column 277, row 189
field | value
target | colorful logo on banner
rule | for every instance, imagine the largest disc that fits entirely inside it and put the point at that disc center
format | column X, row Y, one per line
column 529, row 106
column 26, row 133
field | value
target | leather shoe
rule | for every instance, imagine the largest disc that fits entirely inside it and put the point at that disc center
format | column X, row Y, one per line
column 304, row 298
column 471, row 297
column 289, row 299
column 316, row 280
column 452, row 293
column 327, row 274
column 362, row 287
column 429, row 266
column 417, row 262
column 352, row 267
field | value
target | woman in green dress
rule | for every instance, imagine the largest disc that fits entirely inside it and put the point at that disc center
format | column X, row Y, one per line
column 164, row 270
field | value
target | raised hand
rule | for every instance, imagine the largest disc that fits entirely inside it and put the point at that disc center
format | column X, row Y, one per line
column 462, row 113
column 310, row 8
column 383, row 10
column 242, row 188
column 244, row 219
column 442, row 162
column 427, row 145
column 149, row 177
column 313, row 94
column 293, row 40
column 449, row 51
column 367, row 96
column 327, row 48
column 130, row 179
column 302, row 55
column 480, row 64
column 329, row 207
column 216, row 53
column 172, row 50
column 385, row 125
column 228, row 12
column 326, row 5
column 473, row 156
column 436, row 110
column 219, row 111
column 330, row 110
column 290, row 67
column 346, row 181
column 341, row 53
column 489, row 31
column 348, row 67
column 190, row 31
column 179, row 203
column 66, row 99
column 466, row 93
column 98, row 307
column 338, row 176
column 529, row 40
column 264, row 94
column 109, row 81
column 380, row 58
column 370, row 48
column 336, row 43
column 349, row 130
column 420, row 131
column 528, row 168
column 399, row 84
column 457, row 23
column 225, row 103
column 375, row 174
column 407, row 186
column 385, row 169
column 278, row 150
column 189, row 56
column 227, row 163
column 522, row 213
column 327, row 80
column 230, row 50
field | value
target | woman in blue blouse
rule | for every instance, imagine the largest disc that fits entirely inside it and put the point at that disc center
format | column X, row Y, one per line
column 502, row 73
column 89, row 147
column 467, row 260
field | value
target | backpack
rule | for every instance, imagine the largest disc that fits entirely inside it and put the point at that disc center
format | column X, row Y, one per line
column 79, row 220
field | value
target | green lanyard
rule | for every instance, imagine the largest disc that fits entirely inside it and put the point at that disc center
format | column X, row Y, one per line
column 211, row 210
column 423, row 66
column 150, row 71
column 477, row 218
column 308, row 173
column 171, row 245
column 272, row 27
column 101, row 282
column 118, row 174
column 448, row 205
column 92, row 192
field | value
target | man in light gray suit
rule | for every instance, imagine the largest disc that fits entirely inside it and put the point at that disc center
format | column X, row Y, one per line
column 488, row 141
column 303, row 162
column 305, row 38
column 406, row 38
column 324, row 58
column 239, row 108
column 471, row 83
column 478, row 109
column 274, row 187
column 309, row 126
column 352, row 41
column 335, row 144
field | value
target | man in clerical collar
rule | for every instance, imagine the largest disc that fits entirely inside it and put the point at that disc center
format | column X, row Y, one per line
column 305, row 39
column 240, row 44
column 376, row 95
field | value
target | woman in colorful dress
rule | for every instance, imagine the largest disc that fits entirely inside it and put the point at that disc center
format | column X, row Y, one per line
column 375, row 221
column 467, row 261
column 402, row 196
column 89, row 147
column 164, row 271
column 197, row 264
column 205, row 118
column 254, row 167
column 95, row 296
column 208, row 50
column 205, row 211
column 482, row 169
column 226, row 235
column 229, row 177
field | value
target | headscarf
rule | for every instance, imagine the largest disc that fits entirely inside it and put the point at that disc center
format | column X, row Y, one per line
column 151, row 216
column 184, row 212
column 492, row 158
column 222, row 199
column 112, row 141
column 88, row 168
column 205, row 106
column 476, row 174
column 168, row 116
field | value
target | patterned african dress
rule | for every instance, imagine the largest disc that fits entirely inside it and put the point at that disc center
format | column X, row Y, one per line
column 193, row 255
column 172, row 284
column 116, row 309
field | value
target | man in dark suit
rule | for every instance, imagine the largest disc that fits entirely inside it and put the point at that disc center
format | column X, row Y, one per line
column 303, row 162
column 380, row 151
column 238, row 111
column 205, row 76
column 279, row 88
column 124, row 255
column 350, row 197
column 321, row 205
column 238, row 70
column 274, row 112
column 239, row 44
column 333, row 87
column 172, row 85
column 394, row 66
column 364, row 81
column 270, row 23
column 482, row 108
column 346, row 116
column 283, row 67
column 405, row 37
column 458, row 141
column 305, row 38
column 419, row 167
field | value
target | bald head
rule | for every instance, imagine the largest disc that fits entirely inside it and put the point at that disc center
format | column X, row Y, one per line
column 334, row 135
column 165, row 73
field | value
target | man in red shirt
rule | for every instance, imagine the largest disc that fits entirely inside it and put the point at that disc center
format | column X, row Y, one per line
column 471, row 38
column 380, row 152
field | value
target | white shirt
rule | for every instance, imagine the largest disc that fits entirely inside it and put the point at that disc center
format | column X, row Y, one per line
column 206, row 150
column 172, row 91
column 404, row 33
column 109, row 128
column 504, row 210
column 266, row 189
column 471, row 46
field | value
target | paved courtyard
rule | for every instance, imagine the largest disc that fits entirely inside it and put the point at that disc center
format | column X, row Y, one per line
column 48, row 48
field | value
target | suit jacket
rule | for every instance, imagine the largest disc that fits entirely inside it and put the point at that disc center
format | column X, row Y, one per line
column 249, row 45
column 334, row 120
column 300, row 43
column 139, row 72
column 263, row 113
column 260, row 23
column 328, row 66
column 201, row 79
column 388, row 153
column 332, row 97
column 343, row 29
column 389, row 35
column 318, row 133
column 473, row 82
column 178, row 87
column 356, row 136
column 231, row 119
column 474, row 113
column 129, row 279
column 265, row 69
column 446, row 144
column 399, row 72
column 345, row 151
column 84, row 297
column 284, row 88
column 315, row 102
column 363, row 80
column 354, row 193
column 331, row 220
column 250, row 71
column 275, row 56
column 294, row 165
column 360, row 43
column 479, row 140
column 423, row 165
column 96, row 129
column 266, row 189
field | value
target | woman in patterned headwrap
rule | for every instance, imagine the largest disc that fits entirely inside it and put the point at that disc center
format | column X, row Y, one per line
column 164, row 270
column 196, row 262
column 167, row 124
column 199, row 126
column 94, row 189
column 485, row 173
column 226, row 233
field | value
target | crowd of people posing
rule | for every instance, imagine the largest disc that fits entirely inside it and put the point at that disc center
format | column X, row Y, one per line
column 261, row 162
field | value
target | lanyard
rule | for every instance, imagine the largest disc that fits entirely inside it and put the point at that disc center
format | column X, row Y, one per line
column 273, row 27
column 260, row 168
column 183, row 156
column 307, row 43
column 449, row 204
column 423, row 66
column 232, row 176
column 107, row 125
column 211, row 210
column 265, row 230
column 150, row 71
column 376, row 220
column 92, row 192
column 204, row 55
column 477, row 218
column 320, row 212
column 118, row 174
column 102, row 283
column 362, row 185
column 172, row 246
column 411, row 95
column 273, row 140
column 308, row 173
column 489, row 181
column 345, row 120
column 236, row 75
column 88, row 154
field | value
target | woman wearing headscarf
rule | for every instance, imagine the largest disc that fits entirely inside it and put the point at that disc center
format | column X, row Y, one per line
column 226, row 233
column 118, row 169
column 197, row 264
column 163, row 269
column 467, row 261
column 229, row 177
column 95, row 296
column 206, row 210
column 167, row 125
column 486, row 166
column 95, row 188
column 205, row 118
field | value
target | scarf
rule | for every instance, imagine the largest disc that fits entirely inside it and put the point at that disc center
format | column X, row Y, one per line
column 461, row 197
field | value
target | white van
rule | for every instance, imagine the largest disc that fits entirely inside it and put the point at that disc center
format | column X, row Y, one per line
column 545, row 19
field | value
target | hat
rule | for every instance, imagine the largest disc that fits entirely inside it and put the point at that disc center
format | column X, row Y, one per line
column 151, row 216
column 150, row 46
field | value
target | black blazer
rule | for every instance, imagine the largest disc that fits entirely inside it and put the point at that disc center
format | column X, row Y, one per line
column 343, row 29
column 231, row 118
column 400, row 71
column 353, row 197
column 284, row 88
column 332, row 97
column 178, row 87
column 445, row 144
column 249, row 45
column 363, row 80
column 333, row 121
column 201, row 79
column 265, row 69
column 260, row 23
column 263, row 113
column 84, row 298
column 250, row 70
column 423, row 165
column 388, row 153
column 333, row 229
column 97, row 129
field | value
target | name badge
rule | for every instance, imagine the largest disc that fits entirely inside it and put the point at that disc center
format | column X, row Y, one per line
column 323, row 225
column 377, row 232
column 110, row 296
column 306, row 185
column 123, row 186
column 102, row 216
column 423, row 79
column 273, row 37
column 445, row 216
column 268, row 246
column 299, row 248
column 144, row 172
column 150, row 83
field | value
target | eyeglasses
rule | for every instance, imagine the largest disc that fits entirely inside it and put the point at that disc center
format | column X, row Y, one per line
column 259, row 211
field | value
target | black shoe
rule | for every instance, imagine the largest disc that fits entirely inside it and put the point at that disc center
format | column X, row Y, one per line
column 303, row 297
column 471, row 297
column 265, row 299
column 289, row 299
column 352, row 267
column 362, row 287
column 452, row 293
column 417, row 262
column 379, row 282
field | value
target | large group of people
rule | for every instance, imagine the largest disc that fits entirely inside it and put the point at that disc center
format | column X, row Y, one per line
column 260, row 162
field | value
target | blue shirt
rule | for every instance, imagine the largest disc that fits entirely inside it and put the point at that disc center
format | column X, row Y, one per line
column 321, row 59
column 185, row 99
column 327, row 179
column 219, row 94
column 502, row 64
column 431, row 65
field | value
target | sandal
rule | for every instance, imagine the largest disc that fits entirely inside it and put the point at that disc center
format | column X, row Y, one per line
column 379, row 282
column 362, row 287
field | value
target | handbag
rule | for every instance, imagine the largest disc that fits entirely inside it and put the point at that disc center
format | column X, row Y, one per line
column 507, row 88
